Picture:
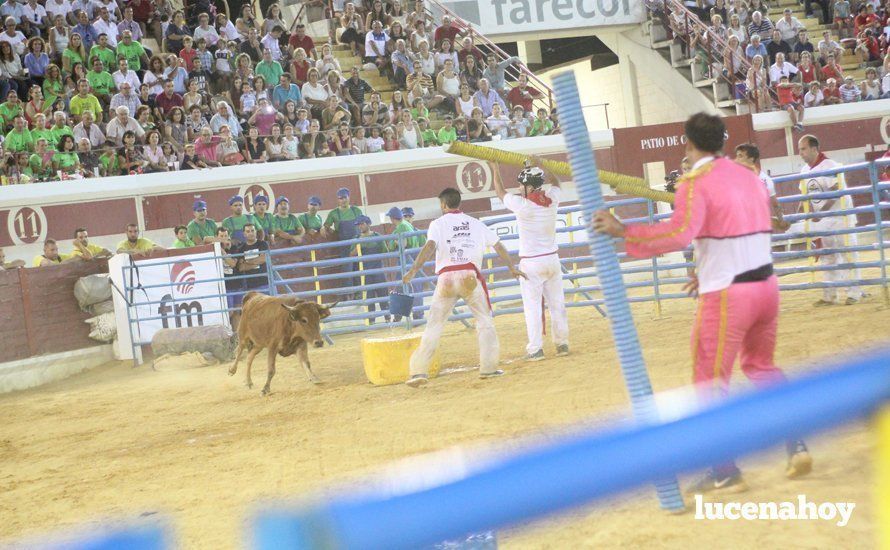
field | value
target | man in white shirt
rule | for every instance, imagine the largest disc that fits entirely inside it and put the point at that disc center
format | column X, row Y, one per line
column 124, row 74
column 15, row 38
column 459, row 242
column 206, row 31
column 816, row 161
column 375, row 46
column 58, row 7
column 788, row 26
column 781, row 68
column 535, row 211
column 36, row 15
column 105, row 25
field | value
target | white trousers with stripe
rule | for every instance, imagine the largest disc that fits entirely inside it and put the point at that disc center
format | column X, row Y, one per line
column 451, row 286
column 544, row 285
column 838, row 241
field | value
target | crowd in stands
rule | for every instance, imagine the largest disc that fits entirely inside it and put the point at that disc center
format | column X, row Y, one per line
column 770, row 58
column 83, row 97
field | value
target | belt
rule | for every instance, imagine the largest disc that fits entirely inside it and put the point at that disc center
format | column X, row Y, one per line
column 761, row 273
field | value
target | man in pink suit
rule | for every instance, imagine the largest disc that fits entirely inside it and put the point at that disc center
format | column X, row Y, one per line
column 723, row 208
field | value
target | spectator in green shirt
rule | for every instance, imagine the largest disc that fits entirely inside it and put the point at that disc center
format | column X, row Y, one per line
column 19, row 138
column 59, row 128
column 236, row 222
column 310, row 220
column 85, row 101
column 66, row 158
column 201, row 230
column 401, row 226
column 265, row 221
column 286, row 226
column 106, row 55
column 100, row 81
column 542, row 125
column 10, row 109
column 447, row 133
column 182, row 238
column 428, row 134
column 269, row 69
column 41, row 162
column 132, row 51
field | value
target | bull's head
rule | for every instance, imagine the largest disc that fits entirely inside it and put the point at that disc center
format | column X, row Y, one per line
column 307, row 318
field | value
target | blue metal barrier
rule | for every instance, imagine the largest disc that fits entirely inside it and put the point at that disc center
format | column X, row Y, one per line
column 582, row 285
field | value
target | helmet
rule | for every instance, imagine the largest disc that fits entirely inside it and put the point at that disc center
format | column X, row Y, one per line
column 532, row 176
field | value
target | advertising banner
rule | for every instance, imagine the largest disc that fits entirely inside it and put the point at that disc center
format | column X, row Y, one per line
column 188, row 295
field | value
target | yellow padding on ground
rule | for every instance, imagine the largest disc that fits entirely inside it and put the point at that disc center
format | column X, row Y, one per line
column 386, row 359
column 625, row 185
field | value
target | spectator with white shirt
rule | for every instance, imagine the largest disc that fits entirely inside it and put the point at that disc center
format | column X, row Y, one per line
column 498, row 123
column 375, row 47
column 124, row 74
column 814, row 97
column 206, row 31
column 36, row 16
column 15, row 38
column 789, row 27
column 271, row 43
column 104, row 25
column 781, row 68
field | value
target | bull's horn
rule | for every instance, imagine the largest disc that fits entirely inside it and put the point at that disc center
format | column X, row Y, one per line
column 330, row 306
column 289, row 308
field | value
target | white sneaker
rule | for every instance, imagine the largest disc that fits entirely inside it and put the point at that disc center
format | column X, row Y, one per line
column 417, row 380
column 492, row 374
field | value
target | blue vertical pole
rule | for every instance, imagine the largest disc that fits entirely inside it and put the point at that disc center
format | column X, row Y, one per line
column 270, row 275
column 406, row 289
column 608, row 268
column 650, row 210
column 129, row 316
column 879, row 228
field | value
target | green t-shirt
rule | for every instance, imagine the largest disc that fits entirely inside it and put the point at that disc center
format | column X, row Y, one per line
column 37, row 166
column 105, row 55
column 266, row 223
column 133, row 53
column 52, row 89
column 187, row 243
column 66, row 160
column 80, row 104
column 310, row 223
column 19, row 141
column 197, row 231
column 289, row 224
column 109, row 163
column 9, row 111
column 429, row 137
column 337, row 215
column 539, row 129
column 101, row 82
column 72, row 55
column 45, row 134
column 410, row 242
column 270, row 71
column 447, row 136
column 235, row 225
column 376, row 247
column 57, row 133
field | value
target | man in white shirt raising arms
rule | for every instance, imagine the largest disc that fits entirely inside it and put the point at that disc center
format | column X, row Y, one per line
column 459, row 242
column 535, row 211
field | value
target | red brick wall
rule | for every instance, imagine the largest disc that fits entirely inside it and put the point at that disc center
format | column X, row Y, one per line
column 38, row 311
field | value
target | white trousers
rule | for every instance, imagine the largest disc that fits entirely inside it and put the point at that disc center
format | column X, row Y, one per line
column 544, row 285
column 838, row 241
column 451, row 286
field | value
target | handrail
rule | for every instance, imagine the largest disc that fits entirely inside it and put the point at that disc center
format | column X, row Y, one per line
column 523, row 68
column 693, row 21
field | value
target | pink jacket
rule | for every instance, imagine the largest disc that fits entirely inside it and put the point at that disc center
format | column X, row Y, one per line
column 724, row 208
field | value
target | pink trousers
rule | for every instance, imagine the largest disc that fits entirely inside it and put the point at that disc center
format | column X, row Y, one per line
column 739, row 320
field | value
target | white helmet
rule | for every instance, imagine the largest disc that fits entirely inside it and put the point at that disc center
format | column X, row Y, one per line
column 531, row 176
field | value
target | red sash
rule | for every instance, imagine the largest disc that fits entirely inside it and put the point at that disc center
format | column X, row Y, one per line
column 539, row 198
column 469, row 267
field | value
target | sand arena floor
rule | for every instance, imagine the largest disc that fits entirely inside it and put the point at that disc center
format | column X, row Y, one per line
column 196, row 445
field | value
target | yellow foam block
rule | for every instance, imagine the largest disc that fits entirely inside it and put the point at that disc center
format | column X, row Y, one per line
column 386, row 359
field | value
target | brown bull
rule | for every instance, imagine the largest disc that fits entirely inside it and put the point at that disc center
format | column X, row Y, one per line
column 282, row 325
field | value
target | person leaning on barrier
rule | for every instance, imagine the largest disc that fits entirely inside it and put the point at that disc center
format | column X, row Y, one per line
column 85, row 251
column 4, row 265
column 253, row 261
column 263, row 218
column 134, row 245
column 236, row 222
column 363, row 223
column 182, row 240
column 50, row 255
column 310, row 220
column 285, row 226
column 339, row 220
column 201, row 230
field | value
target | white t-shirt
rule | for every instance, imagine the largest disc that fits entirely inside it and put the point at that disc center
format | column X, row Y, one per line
column 537, row 224
column 824, row 184
column 460, row 239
